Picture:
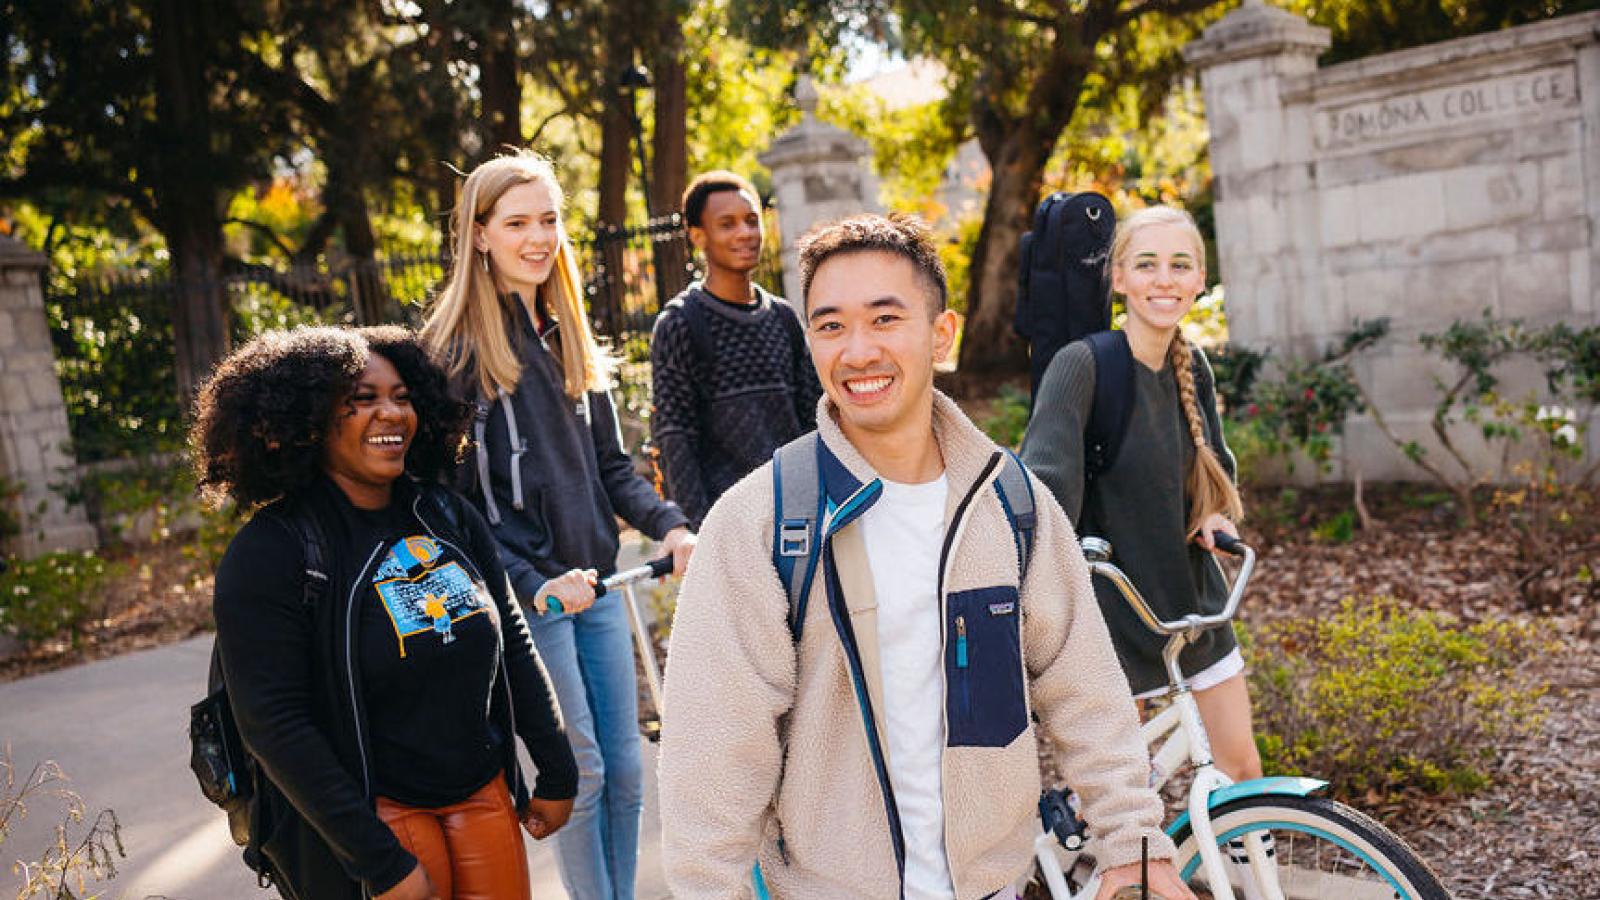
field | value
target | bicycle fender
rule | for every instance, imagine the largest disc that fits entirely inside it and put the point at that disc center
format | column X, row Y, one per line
column 1278, row 785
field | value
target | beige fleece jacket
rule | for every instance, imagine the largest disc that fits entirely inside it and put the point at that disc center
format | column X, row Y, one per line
column 765, row 754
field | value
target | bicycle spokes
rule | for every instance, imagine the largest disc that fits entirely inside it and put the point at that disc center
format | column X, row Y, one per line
column 1296, row 865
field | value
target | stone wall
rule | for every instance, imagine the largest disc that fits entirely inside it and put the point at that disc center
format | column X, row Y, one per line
column 33, row 419
column 1426, row 185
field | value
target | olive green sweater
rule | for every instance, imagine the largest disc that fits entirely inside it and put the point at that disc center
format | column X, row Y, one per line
column 1139, row 504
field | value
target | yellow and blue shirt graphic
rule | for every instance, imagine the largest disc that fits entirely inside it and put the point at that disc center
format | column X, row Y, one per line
column 423, row 594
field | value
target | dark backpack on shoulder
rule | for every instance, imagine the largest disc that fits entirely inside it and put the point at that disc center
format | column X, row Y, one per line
column 228, row 775
column 1064, row 295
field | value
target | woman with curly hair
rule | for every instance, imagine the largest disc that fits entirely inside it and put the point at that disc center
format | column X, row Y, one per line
column 1170, row 488
column 551, row 477
column 382, row 708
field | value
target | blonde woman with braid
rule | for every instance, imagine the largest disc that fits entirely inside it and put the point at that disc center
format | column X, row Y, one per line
column 1170, row 487
column 550, row 474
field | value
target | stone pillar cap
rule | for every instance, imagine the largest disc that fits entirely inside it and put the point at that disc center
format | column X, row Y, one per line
column 1253, row 30
column 813, row 140
column 15, row 254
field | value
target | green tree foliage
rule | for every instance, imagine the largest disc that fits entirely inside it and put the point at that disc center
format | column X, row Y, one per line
column 1019, row 72
column 1367, row 27
column 146, row 103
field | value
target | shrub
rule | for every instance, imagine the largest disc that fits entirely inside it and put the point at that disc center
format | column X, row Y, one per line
column 1235, row 369
column 1304, row 407
column 210, row 541
column 1340, row 528
column 1008, row 418
column 1381, row 699
column 49, row 594
column 1254, row 448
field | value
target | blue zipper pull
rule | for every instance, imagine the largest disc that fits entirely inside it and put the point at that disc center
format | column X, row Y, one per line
column 961, row 642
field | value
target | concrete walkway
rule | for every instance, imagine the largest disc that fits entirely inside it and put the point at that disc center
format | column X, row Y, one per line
column 119, row 729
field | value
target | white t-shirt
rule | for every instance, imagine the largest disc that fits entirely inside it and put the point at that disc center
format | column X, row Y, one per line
column 903, row 532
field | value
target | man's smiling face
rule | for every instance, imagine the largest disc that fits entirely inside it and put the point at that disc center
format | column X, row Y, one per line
column 874, row 339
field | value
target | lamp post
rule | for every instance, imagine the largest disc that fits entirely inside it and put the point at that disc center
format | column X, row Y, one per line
column 630, row 81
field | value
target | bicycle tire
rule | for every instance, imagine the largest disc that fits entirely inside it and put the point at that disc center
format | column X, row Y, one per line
column 1324, row 849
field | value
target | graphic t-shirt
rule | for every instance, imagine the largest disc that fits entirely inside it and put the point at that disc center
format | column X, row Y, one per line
column 429, row 653
column 903, row 532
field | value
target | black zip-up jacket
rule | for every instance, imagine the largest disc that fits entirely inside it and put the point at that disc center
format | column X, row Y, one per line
column 550, row 474
column 294, row 682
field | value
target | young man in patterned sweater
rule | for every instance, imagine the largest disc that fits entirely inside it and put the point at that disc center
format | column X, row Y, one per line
column 730, row 371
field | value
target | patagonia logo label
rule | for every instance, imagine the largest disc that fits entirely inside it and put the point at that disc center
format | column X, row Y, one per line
column 1003, row 609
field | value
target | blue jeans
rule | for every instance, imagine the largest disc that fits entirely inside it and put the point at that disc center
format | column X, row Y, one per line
column 590, row 660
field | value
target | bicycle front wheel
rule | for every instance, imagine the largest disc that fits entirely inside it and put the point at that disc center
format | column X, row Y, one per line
column 1320, row 849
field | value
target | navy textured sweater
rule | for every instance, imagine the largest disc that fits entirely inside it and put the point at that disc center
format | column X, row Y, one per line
column 716, row 419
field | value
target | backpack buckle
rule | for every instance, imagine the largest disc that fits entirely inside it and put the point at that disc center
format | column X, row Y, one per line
column 794, row 538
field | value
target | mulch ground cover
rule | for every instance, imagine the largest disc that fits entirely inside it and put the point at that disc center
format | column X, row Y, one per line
column 1535, row 832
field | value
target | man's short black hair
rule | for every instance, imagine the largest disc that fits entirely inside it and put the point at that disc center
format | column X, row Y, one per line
column 901, row 235
column 708, row 183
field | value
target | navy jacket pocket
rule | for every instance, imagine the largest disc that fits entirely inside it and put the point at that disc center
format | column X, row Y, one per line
column 985, row 700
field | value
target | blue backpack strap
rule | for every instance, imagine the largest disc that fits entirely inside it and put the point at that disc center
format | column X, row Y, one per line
column 1016, row 498
column 796, row 522
column 1113, row 401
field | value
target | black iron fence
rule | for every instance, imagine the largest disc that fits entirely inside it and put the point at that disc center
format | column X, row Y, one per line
column 114, row 340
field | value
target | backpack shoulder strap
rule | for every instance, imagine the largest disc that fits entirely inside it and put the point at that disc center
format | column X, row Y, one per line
column 1016, row 498
column 796, row 522
column 695, row 318
column 313, row 549
column 1113, row 401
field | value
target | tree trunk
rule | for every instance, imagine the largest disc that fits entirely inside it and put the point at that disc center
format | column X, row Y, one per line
column 369, row 294
column 199, row 322
column 501, row 121
column 616, row 166
column 989, row 346
column 187, row 204
column 670, row 146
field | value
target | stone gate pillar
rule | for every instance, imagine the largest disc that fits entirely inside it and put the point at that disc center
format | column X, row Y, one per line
column 1266, row 208
column 33, row 418
column 819, row 172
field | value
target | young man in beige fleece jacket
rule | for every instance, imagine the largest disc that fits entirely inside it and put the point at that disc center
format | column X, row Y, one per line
column 891, row 753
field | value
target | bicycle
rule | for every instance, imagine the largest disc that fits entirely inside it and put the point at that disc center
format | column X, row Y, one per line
column 625, row 580
column 1282, row 842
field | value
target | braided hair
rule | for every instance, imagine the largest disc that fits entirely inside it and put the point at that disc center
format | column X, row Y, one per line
column 1207, row 483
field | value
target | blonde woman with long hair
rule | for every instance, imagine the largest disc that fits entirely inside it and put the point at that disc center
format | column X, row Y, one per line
column 548, row 469
column 1171, row 486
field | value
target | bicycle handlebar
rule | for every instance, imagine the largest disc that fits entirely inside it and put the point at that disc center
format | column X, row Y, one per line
column 1097, row 551
column 1227, row 543
column 655, row 568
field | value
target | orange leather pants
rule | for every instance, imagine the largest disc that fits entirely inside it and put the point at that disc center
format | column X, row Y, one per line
column 472, row 850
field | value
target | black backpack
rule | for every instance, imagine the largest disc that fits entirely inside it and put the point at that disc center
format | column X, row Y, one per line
column 1064, row 295
column 229, row 776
